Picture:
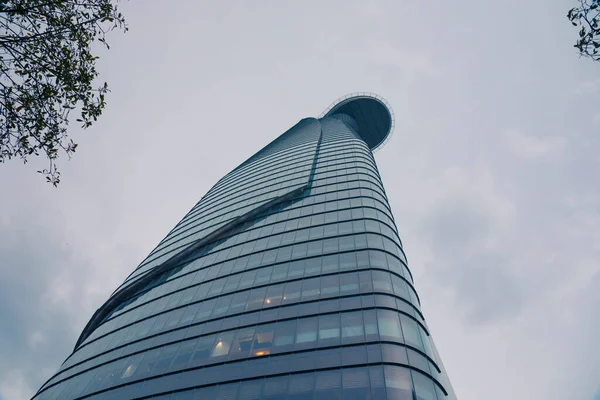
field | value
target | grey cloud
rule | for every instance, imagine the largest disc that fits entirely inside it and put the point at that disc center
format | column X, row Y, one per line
column 483, row 285
column 36, row 333
column 503, row 244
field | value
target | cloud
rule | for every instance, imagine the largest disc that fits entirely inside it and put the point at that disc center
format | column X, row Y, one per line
column 47, row 292
column 588, row 87
column 535, row 147
column 467, row 224
column 14, row 385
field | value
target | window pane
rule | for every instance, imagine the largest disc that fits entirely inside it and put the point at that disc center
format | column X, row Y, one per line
column 377, row 383
column 291, row 293
column 328, row 385
column 330, row 286
column 284, row 336
column 370, row 320
column 250, row 390
column 301, row 387
column 222, row 345
column 348, row 284
column 242, row 343
column 274, row 295
column 329, row 330
column 310, row 289
column 202, row 351
column 382, row 282
column 263, row 340
column 389, row 325
column 306, row 334
column 424, row 387
column 355, row 383
column 398, row 383
column 411, row 332
column 184, row 353
column 275, row 388
column 352, row 328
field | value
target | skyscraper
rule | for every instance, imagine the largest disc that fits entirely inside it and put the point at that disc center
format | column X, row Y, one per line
column 287, row 280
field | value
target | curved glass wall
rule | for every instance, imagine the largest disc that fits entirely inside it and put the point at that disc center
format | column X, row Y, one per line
column 286, row 281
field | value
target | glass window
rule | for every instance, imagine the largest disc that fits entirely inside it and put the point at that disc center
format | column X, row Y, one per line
column 330, row 245
column 394, row 354
column 314, row 248
column 256, row 299
column 291, row 292
column 202, row 350
column 299, row 250
column 173, row 320
column 352, row 328
column 247, row 279
column 370, row 321
column 346, row 243
column 389, row 325
column 283, row 254
column 328, row 385
column 400, row 287
column 216, row 287
column 382, row 281
column 366, row 282
column 284, row 336
column 222, row 344
column 411, row 332
column 306, row 333
column 375, row 241
column 132, row 363
column 238, row 303
column 274, row 296
column 355, row 383
column 232, row 283
column 201, row 292
column 424, row 387
column 349, row 284
column 205, row 310
column 263, row 340
column 313, row 267
column 418, row 360
column 279, row 273
column 221, row 306
column 301, row 235
column 330, row 286
column 329, row 330
column 184, row 353
column 311, row 289
column 242, row 343
column 263, row 276
column 360, row 241
column 249, row 390
column 227, row 392
column 301, row 387
column 377, row 383
column 330, row 263
column 296, row 269
column 275, row 388
column 347, row 261
column 147, row 364
column 398, row 383
column 316, row 232
column 362, row 259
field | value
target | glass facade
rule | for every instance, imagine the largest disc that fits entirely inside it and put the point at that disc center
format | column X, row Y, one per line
column 287, row 280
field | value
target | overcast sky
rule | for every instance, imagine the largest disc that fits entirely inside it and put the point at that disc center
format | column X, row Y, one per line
column 492, row 172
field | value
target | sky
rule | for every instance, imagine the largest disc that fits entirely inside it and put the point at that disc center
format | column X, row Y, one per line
column 491, row 172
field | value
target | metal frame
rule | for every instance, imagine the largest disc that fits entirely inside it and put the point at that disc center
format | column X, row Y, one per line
column 367, row 95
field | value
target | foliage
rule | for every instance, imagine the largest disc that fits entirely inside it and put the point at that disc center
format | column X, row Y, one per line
column 587, row 16
column 47, row 69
